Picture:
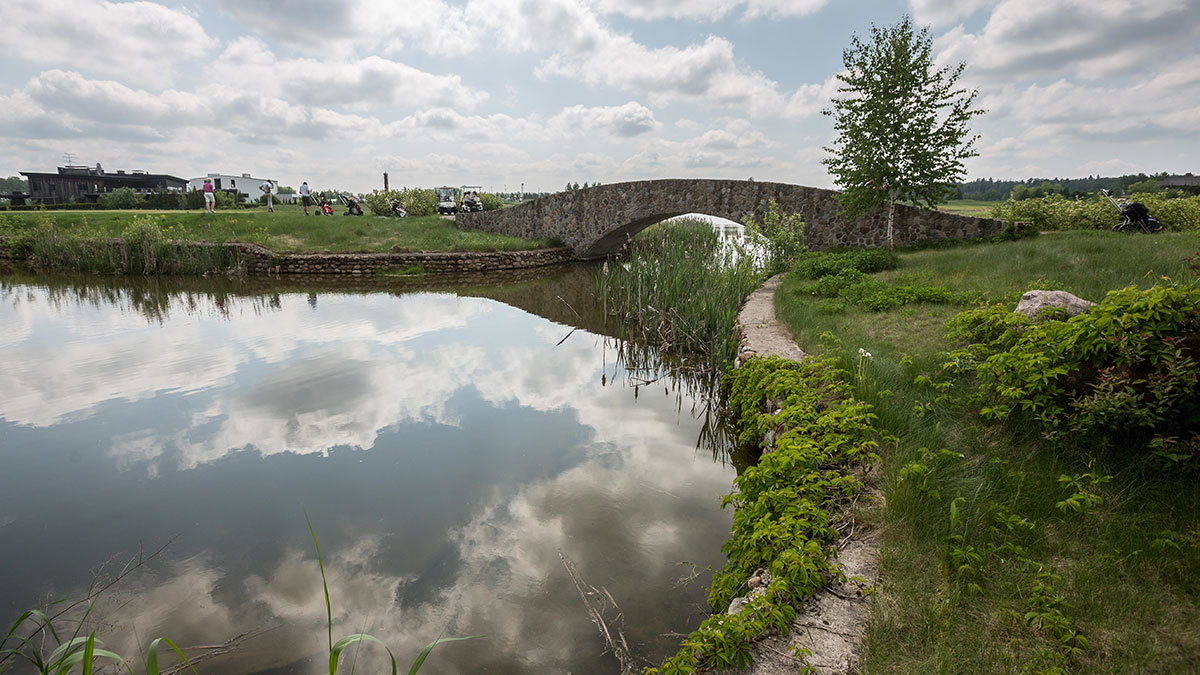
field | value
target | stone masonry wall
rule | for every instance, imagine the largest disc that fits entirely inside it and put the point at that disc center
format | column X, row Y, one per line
column 596, row 222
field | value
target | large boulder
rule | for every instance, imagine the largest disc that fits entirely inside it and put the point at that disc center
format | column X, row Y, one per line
column 1033, row 302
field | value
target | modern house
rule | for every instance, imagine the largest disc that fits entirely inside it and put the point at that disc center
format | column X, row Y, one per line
column 84, row 184
column 245, row 186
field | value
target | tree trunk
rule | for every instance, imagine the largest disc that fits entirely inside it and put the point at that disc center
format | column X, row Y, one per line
column 891, row 218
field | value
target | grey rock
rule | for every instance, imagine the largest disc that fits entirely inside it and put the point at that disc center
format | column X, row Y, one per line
column 1033, row 302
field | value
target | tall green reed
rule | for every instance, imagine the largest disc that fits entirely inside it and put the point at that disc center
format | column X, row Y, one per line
column 681, row 288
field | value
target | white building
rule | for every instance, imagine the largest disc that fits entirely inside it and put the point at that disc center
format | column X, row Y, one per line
column 245, row 185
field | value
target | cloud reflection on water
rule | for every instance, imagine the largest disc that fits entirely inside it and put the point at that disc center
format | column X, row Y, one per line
column 627, row 497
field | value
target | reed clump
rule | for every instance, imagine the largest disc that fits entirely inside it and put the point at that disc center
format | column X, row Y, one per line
column 680, row 288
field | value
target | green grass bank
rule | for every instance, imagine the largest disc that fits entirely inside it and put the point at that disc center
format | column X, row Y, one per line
column 287, row 230
column 1015, row 537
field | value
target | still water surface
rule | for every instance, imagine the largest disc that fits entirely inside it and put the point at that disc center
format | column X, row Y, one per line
column 449, row 450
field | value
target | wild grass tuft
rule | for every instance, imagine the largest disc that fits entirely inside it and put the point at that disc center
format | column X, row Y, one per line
column 680, row 289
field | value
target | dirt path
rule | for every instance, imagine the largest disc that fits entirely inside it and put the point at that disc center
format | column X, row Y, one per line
column 833, row 622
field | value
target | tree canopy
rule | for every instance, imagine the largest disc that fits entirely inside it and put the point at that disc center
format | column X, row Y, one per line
column 902, row 123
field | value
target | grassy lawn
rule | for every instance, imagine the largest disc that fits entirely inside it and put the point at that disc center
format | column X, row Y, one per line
column 965, row 588
column 968, row 207
column 288, row 230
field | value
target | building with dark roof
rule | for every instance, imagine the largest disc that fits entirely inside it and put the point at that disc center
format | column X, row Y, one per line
column 84, row 184
column 1186, row 182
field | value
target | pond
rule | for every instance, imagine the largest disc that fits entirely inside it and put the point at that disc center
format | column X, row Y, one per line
column 456, row 448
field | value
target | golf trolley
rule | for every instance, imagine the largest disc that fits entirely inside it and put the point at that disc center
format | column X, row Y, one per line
column 1135, row 217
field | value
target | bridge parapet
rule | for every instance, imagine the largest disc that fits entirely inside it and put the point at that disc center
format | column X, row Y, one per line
column 595, row 222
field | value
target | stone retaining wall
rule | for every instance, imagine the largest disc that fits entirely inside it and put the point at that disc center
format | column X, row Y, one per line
column 255, row 259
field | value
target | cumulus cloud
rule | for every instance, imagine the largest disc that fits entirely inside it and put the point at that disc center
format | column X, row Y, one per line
column 624, row 121
column 943, row 12
column 1025, row 39
column 708, row 10
column 345, row 27
column 248, row 63
column 142, row 40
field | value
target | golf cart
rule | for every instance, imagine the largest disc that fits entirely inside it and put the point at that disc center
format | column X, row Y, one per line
column 470, row 198
column 447, row 199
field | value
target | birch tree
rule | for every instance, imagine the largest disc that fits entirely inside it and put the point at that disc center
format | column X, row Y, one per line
column 902, row 124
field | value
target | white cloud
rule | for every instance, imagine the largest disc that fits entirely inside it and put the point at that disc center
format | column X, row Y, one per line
column 247, row 63
column 1025, row 39
column 943, row 12
column 708, row 10
column 344, row 27
column 623, row 121
column 138, row 40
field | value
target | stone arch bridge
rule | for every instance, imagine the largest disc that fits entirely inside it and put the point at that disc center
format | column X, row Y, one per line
column 595, row 222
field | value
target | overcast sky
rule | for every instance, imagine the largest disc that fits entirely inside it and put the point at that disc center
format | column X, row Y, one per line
column 542, row 92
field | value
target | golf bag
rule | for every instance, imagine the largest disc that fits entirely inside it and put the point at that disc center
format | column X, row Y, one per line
column 323, row 206
column 352, row 207
column 1135, row 217
column 398, row 210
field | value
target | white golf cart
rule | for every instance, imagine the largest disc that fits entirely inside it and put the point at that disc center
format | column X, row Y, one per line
column 471, row 200
column 447, row 199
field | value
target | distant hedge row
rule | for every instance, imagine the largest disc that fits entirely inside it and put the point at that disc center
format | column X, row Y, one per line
column 1055, row 212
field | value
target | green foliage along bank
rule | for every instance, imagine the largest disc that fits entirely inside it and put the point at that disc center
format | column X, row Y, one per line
column 1042, row 507
column 782, row 521
column 1056, row 212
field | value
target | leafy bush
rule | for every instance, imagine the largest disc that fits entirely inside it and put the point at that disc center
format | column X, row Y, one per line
column 1127, row 369
column 874, row 295
column 781, row 522
column 121, row 198
column 161, row 199
column 1055, row 212
column 416, row 201
column 783, row 234
column 817, row 264
column 491, row 202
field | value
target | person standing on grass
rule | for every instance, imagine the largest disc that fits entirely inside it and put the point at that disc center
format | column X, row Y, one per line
column 210, row 198
column 305, row 196
column 266, row 188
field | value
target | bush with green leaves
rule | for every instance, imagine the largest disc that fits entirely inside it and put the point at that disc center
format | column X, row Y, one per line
column 783, row 234
column 490, row 201
column 1127, row 370
column 1056, row 212
column 415, row 201
column 782, row 522
column 817, row 264
column 121, row 198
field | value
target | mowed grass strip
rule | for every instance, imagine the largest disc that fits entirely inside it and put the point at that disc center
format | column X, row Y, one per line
column 1124, row 575
column 288, row 230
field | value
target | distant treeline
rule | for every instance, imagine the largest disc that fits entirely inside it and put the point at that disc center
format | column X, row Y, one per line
column 991, row 190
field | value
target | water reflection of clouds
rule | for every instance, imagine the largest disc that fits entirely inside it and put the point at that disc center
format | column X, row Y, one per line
column 293, row 380
column 627, row 519
column 107, row 357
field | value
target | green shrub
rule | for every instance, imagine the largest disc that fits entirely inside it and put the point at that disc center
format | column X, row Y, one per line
column 490, row 201
column 854, row 287
column 817, row 264
column 781, row 522
column 1128, row 369
column 161, row 199
column 783, row 234
column 416, row 201
column 1055, row 212
column 121, row 198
